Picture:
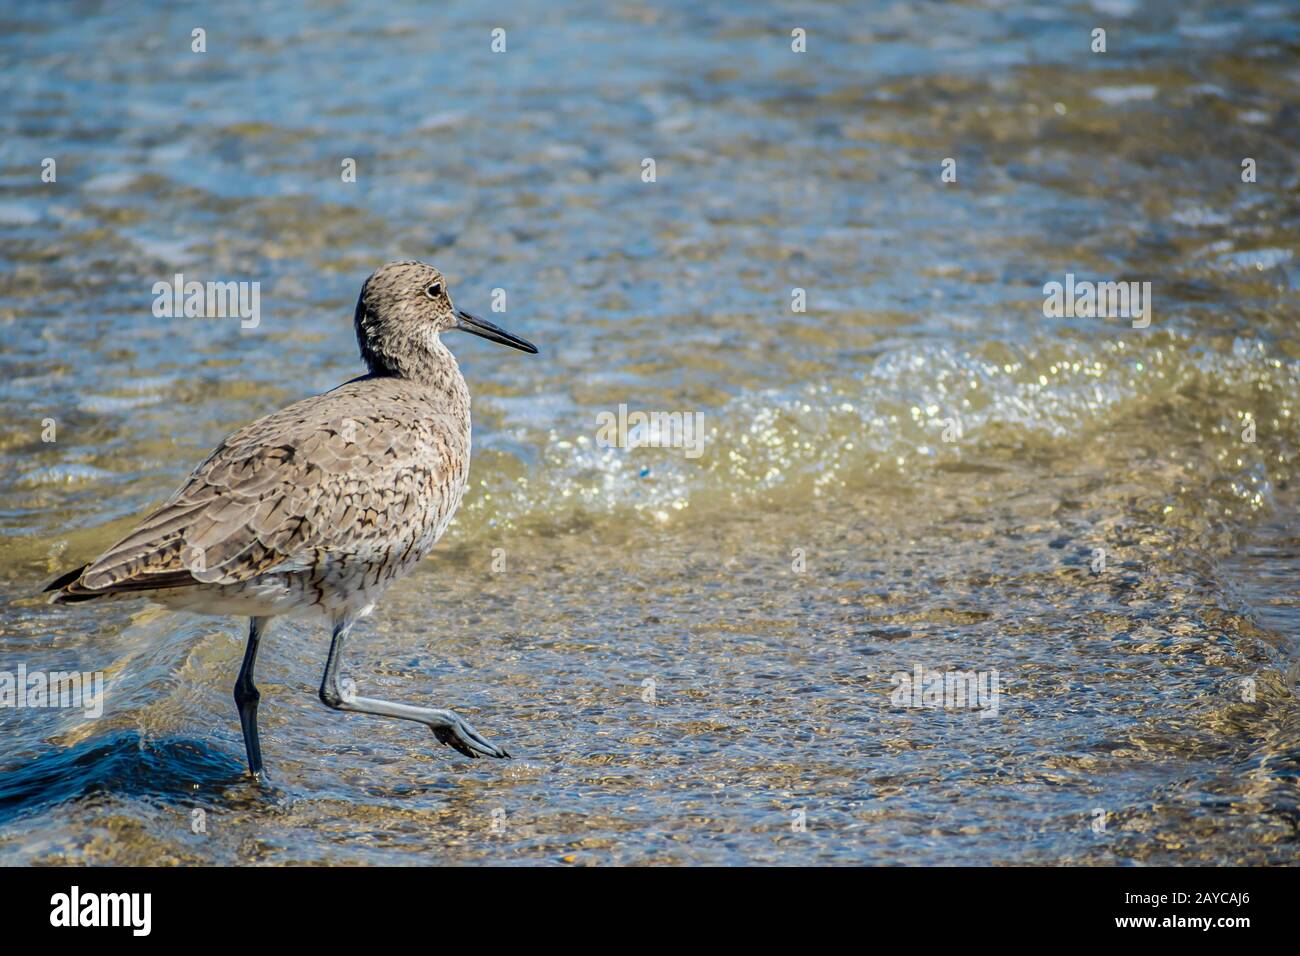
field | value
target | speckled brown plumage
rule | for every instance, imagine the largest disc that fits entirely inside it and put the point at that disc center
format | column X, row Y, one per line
column 341, row 490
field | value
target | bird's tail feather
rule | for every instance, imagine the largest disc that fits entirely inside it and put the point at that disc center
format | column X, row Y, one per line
column 69, row 590
column 62, row 584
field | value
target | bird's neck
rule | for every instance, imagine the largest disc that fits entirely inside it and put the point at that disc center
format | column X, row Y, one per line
column 431, row 365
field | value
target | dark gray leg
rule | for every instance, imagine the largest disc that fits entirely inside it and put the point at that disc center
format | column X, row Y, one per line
column 246, row 696
column 448, row 727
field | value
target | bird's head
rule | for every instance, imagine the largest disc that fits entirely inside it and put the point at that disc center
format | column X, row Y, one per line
column 403, row 308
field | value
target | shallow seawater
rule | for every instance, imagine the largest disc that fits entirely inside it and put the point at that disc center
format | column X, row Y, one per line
column 693, row 659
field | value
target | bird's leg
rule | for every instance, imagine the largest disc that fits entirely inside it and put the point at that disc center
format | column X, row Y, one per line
column 246, row 695
column 447, row 726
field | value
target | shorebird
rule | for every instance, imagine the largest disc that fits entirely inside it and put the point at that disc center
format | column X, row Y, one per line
column 317, row 508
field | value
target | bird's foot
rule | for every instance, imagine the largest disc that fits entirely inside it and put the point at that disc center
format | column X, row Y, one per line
column 457, row 733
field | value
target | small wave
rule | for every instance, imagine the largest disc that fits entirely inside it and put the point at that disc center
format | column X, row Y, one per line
column 910, row 414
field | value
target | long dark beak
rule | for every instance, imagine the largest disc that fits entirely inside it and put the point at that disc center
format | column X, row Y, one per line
column 468, row 322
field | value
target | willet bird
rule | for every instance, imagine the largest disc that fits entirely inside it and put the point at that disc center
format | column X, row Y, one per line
column 318, row 507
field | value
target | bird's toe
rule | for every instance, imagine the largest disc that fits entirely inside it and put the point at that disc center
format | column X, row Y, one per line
column 463, row 738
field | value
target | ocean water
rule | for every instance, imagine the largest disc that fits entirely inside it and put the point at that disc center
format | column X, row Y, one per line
column 695, row 659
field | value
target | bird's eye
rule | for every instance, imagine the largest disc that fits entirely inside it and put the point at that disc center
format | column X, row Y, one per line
column 434, row 290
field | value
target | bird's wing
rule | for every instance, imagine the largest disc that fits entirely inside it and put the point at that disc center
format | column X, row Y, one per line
column 328, row 472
